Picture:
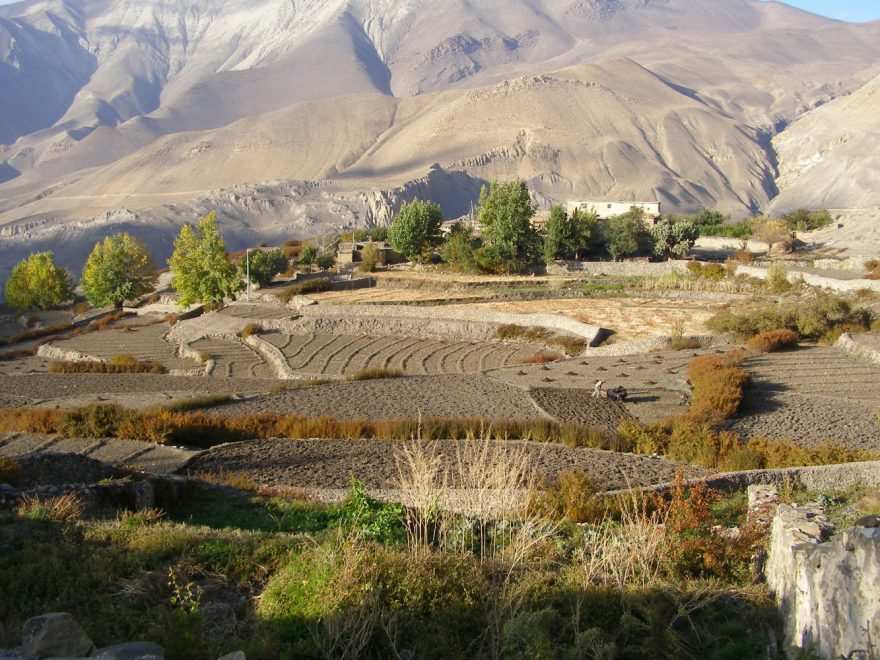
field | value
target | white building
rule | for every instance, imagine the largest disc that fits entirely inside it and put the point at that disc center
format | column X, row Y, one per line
column 605, row 210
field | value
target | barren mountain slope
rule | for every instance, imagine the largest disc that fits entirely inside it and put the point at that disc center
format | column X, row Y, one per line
column 831, row 156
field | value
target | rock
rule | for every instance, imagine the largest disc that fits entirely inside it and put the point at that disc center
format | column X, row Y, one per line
column 235, row 655
column 56, row 634
column 868, row 521
column 131, row 651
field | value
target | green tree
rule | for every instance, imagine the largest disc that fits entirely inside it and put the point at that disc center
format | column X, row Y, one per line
column 558, row 238
column 506, row 212
column 326, row 261
column 415, row 227
column 804, row 220
column 674, row 237
column 119, row 268
column 308, row 255
column 37, row 283
column 458, row 249
column 202, row 270
column 583, row 232
column 266, row 264
column 627, row 236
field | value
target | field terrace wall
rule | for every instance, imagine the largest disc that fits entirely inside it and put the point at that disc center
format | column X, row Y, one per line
column 732, row 244
column 835, row 284
column 384, row 320
column 630, row 268
column 826, row 587
column 855, row 344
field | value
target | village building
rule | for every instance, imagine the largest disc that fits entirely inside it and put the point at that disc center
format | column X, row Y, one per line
column 351, row 253
column 605, row 210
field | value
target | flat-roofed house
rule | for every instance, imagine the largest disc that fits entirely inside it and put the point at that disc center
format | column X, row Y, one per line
column 605, row 210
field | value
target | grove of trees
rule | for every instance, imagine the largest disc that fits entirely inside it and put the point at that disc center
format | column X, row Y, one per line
column 266, row 264
column 119, row 268
column 37, row 283
column 415, row 228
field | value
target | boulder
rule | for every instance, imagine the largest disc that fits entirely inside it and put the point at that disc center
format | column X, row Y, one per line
column 57, row 634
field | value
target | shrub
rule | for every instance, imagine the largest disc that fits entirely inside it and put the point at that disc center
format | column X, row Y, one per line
column 541, row 357
column 119, row 268
column 35, row 334
column 571, row 496
column 568, row 343
column 369, row 258
column 63, row 509
column 714, row 272
column 95, row 421
column 198, row 402
column 303, row 288
column 250, row 330
column 718, row 388
column 326, row 261
column 81, row 307
column 120, row 364
column 773, row 341
column 375, row 374
column 458, row 250
column 744, row 256
column 873, row 268
column 777, row 278
column 266, row 264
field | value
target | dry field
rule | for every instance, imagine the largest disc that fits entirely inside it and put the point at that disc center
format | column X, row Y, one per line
column 344, row 355
column 234, row 359
column 629, row 318
column 330, row 464
column 144, row 343
column 810, row 395
column 384, row 296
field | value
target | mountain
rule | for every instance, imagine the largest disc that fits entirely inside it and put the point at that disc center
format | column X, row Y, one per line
column 295, row 116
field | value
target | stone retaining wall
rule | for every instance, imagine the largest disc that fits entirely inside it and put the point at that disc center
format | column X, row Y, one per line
column 812, row 279
column 724, row 243
column 851, row 344
column 827, row 590
column 635, row 268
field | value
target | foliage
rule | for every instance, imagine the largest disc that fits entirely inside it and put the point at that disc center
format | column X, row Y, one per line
column 326, row 261
column 813, row 319
column 37, row 283
column 308, row 256
column 557, row 235
column 627, row 236
column 506, row 211
column 458, row 249
column 377, row 234
column 718, row 386
column 777, row 279
column 873, row 268
column 372, row 520
column 570, row 344
column 119, row 268
column 673, row 237
column 773, row 340
column 375, row 373
column 571, row 496
column 119, row 365
column 315, row 285
column 806, row 220
column 700, row 271
column 772, row 231
column 415, row 227
column 369, row 258
column 202, row 270
column 266, row 264
column 250, row 330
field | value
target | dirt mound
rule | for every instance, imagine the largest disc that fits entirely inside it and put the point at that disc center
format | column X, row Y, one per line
column 332, row 463
column 62, row 468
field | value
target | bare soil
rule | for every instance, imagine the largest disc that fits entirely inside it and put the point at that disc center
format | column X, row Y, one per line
column 144, row 343
column 332, row 463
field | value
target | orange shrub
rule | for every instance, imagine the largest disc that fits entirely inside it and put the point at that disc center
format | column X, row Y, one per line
column 541, row 357
column 718, row 388
column 774, row 340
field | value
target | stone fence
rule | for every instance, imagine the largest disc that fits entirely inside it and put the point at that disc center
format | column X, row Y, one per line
column 827, row 587
column 835, row 284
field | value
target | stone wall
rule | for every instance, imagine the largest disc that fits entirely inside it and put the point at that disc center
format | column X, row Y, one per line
column 827, row 587
column 850, row 285
column 631, row 268
column 732, row 244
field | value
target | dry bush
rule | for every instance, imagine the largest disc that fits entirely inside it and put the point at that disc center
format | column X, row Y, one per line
column 777, row 278
column 10, row 471
column 773, row 341
column 30, row 420
column 541, row 357
column 571, row 496
column 170, row 319
column 744, row 256
column 250, row 330
column 120, row 364
column 873, row 268
column 66, row 508
column 375, row 374
column 28, row 335
column 678, row 342
column 702, row 271
column 81, row 307
column 570, row 344
column 237, row 480
column 308, row 286
column 718, row 388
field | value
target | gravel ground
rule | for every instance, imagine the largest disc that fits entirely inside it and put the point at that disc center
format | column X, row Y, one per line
column 331, row 463
column 396, row 398
column 578, row 406
column 50, row 387
column 50, row 468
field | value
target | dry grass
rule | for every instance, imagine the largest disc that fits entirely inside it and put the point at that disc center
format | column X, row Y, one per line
column 571, row 345
column 873, row 268
column 235, row 480
column 66, row 508
column 120, row 364
column 541, row 357
column 773, row 341
column 250, row 330
column 28, row 335
column 374, row 374
column 303, row 288
column 10, row 471
column 718, row 388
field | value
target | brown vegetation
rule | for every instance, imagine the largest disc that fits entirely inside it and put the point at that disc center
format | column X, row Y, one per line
column 571, row 345
column 120, row 364
column 772, row 341
column 541, row 357
column 303, row 288
column 250, row 330
column 372, row 374
column 718, row 387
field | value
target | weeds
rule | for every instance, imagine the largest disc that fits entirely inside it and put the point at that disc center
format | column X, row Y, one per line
column 62, row 509
column 120, row 364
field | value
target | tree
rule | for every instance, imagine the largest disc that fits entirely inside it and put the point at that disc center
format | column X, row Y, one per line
column 674, row 237
column 308, row 255
column 558, row 239
column 583, row 232
column 458, row 249
column 506, row 212
column 626, row 234
column 202, row 270
column 37, row 283
column 415, row 227
column 326, row 261
column 119, row 268
column 266, row 264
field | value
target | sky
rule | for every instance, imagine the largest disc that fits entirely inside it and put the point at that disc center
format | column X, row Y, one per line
column 846, row 10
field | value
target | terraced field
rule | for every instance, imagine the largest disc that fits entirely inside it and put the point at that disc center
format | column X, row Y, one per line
column 144, row 343
column 810, row 395
column 343, row 355
column 234, row 359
